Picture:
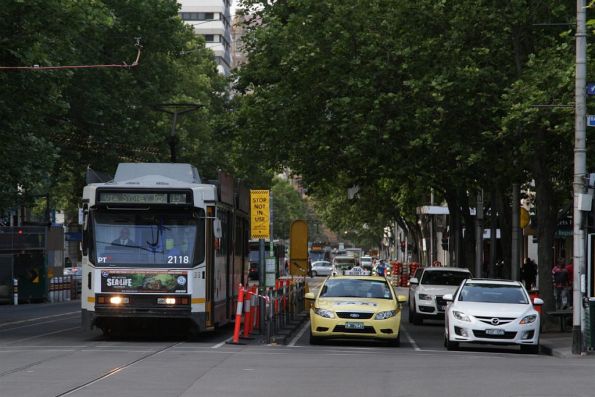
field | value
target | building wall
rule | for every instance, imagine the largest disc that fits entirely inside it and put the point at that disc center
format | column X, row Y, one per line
column 212, row 19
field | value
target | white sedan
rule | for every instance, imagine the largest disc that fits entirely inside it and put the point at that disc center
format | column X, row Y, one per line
column 492, row 311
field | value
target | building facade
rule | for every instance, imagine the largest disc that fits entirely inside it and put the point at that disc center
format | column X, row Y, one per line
column 212, row 20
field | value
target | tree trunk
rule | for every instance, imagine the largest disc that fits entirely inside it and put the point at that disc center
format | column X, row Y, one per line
column 504, row 220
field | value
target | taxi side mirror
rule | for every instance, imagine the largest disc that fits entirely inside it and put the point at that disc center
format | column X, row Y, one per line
column 310, row 296
column 401, row 298
column 413, row 281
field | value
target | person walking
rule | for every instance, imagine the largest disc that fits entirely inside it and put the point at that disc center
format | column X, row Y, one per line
column 570, row 271
column 560, row 279
column 529, row 273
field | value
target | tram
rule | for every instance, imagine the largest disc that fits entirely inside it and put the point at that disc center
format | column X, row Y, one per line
column 158, row 243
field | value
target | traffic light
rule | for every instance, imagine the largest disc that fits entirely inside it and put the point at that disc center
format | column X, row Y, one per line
column 445, row 243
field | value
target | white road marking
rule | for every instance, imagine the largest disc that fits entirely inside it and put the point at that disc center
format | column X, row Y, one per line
column 218, row 345
column 410, row 339
column 29, row 325
column 39, row 318
column 46, row 334
column 299, row 334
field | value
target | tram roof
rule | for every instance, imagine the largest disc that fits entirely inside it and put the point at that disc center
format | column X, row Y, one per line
column 185, row 173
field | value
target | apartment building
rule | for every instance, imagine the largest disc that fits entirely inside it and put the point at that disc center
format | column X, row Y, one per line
column 212, row 19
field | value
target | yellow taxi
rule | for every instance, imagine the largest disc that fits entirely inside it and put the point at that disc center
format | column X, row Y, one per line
column 356, row 307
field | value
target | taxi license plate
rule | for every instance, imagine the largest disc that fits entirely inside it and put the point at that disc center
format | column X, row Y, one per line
column 494, row 332
column 352, row 325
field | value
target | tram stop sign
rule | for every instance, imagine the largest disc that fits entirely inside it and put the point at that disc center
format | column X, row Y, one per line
column 591, row 120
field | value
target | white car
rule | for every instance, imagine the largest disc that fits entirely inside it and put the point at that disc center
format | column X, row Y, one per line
column 321, row 268
column 492, row 311
column 357, row 271
column 426, row 293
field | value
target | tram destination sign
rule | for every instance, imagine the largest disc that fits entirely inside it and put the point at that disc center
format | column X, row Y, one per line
column 143, row 197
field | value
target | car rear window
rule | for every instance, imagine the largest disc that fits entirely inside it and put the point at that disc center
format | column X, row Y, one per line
column 356, row 288
column 444, row 277
column 493, row 293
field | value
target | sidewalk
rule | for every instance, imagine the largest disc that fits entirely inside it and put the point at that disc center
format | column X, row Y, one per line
column 559, row 344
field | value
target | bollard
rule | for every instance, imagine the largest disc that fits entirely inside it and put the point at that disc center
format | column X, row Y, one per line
column 247, row 318
column 253, row 308
column 236, row 329
column 15, row 291
column 68, row 287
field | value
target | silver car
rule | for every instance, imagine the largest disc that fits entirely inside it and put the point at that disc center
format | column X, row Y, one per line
column 321, row 268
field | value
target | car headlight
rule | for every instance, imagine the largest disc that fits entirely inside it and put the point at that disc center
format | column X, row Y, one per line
column 460, row 316
column 529, row 319
column 425, row 297
column 324, row 313
column 385, row 315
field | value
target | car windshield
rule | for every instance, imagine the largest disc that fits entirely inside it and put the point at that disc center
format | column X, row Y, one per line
column 444, row 277
column 356, row 288
column 493, row 293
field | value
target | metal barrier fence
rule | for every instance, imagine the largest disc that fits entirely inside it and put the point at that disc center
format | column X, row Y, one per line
column 64, row 288
column 282, row 304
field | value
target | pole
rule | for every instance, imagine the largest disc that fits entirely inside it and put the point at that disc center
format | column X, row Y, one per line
column 431, row 230
column 479, row 235
column 493, row 242
column 261, row 281
column 172, row 138
column 580, row 161
column 516, row 232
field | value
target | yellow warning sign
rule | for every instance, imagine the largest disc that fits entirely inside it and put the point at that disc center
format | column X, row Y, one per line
column 259, row 214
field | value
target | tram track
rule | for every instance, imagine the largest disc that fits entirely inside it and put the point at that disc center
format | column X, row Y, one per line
column 117, row 370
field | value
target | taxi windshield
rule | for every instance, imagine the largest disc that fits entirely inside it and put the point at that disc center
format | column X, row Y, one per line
column 356, row 288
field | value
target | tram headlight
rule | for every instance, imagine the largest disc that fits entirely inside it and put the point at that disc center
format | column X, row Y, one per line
column 166, row 301
column 118, row 300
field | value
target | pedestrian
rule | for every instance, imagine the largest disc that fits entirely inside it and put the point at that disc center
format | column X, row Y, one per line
column 570, row 270
column 560, row 279
column 529, row 273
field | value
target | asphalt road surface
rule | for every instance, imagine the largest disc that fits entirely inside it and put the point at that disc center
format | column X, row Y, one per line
column 43, row 352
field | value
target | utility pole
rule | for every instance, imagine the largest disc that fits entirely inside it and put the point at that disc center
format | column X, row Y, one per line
column 516, row 232
column 580, row 161
column 176, row 109
column 479, row 235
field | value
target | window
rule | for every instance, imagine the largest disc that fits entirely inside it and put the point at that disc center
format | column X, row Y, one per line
column 209, row 38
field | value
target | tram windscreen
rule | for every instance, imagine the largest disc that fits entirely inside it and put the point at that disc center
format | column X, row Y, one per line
column 148, row 240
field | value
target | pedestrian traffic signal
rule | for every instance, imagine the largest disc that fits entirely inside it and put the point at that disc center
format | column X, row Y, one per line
column 445, row 243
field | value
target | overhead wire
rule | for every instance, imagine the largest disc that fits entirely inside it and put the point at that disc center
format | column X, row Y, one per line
column 123, row 65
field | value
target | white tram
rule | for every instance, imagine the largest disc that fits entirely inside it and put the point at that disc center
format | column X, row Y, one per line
column 158, row 243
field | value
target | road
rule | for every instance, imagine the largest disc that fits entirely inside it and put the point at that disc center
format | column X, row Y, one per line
column 44, row 353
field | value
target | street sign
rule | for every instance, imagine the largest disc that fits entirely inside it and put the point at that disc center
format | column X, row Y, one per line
column 591, row 89
column 591, row 120
column 298, row 248
column 259, row 214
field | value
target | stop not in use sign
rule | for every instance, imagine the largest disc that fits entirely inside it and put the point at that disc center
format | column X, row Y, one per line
column 259, row 214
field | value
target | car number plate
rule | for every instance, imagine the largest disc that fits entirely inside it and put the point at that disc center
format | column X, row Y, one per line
column 494, row 332
column 353, row 325
column 441, row 308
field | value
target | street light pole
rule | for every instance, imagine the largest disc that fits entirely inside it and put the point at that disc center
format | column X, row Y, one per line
column 580, row 161
column 176, row 109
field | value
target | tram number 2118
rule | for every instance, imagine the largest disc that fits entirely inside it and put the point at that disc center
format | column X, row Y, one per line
column 175, row 259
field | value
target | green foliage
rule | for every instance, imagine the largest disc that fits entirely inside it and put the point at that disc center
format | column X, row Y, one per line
column 401, row 97
column 54, row 124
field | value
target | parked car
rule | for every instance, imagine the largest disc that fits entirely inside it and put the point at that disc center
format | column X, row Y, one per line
column 492, row 311
column 426, row 293
column 321, row 268
column 356, row 307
